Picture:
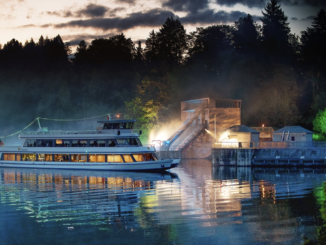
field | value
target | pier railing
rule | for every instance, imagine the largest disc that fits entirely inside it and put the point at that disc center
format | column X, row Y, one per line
column 268, row 144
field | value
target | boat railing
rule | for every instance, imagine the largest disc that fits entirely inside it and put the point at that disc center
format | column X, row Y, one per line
column 56, row 132
column 11, row 146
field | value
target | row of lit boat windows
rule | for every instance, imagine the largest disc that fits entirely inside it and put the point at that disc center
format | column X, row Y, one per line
column 116, row 158
column 82, row 143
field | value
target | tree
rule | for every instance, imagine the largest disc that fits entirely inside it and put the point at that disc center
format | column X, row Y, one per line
column 276, row 29
column 313, row 42
column 81, row 55
column 246, row 34
column 211, row 46
column 172, row 41
column 151, row 49
column 320, row 122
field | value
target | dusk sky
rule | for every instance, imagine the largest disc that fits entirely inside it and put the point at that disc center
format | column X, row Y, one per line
column 83, row 19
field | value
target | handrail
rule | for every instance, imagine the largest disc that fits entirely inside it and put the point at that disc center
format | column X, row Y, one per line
column 185, row 125
column 188, row 138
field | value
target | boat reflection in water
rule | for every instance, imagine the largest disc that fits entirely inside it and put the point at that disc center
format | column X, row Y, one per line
column 199, row 204
column 78, row 197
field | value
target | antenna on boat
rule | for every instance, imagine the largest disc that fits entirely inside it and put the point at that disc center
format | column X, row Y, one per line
column 39, row 124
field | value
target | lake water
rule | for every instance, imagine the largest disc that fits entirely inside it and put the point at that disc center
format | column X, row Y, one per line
column 193, row 204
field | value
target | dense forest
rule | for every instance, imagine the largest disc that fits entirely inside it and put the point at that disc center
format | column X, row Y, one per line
column 278, row 75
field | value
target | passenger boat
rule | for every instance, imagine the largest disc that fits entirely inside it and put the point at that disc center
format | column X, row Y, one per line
column 113, row 146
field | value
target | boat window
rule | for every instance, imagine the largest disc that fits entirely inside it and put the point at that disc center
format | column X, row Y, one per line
column 44, row 143
column 97, row 143
column 150, row 157
column 29, row 157
column 9, row 157
column 48, row 157
column 130, row 125
column 138, row 142
column 78, row 157
column 112, row 143
column 59, row 143
column 132, row 141
column 66, row 143
column 30, row 143
column 96, row 158
column 61, row 158
column 114, row 158
column 79, row 143
column 18, row 157
column 139, row 157
column 127, row 158
column 122, row 142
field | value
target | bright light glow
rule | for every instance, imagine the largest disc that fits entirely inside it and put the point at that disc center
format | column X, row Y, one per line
column 164, row 132
column 226, row 142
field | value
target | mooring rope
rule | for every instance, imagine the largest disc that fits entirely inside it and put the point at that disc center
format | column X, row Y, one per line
column 50, row 119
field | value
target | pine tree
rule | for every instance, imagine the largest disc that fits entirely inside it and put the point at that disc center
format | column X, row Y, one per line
column 276, row 29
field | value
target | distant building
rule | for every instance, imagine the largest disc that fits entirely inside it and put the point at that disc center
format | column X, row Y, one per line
column 266, row 133
column 216, row 113
column 243, row 133
column 293, row 134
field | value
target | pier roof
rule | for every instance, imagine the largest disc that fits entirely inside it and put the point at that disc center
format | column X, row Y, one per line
column 293, row 129
column 243, row 128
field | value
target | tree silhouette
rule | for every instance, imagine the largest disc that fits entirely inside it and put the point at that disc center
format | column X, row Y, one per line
column 276, row 29
column 246, row 34
column 172, row 41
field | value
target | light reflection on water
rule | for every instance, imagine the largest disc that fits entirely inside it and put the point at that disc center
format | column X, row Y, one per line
column 194, row 204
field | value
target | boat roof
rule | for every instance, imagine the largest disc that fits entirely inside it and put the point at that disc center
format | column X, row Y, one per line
column 118, row 121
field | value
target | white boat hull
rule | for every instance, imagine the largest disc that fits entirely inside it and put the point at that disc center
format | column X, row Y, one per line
column 159, row 165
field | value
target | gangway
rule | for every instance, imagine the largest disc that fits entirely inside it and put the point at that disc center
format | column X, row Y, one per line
column 190, row 128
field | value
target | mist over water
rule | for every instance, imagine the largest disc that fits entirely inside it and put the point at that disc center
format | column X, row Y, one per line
column 195, row 203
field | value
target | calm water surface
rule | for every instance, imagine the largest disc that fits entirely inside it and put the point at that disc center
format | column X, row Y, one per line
column 193, row 204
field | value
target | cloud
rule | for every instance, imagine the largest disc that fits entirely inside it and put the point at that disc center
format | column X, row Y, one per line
column 192, row 6
column 315, row 3
column 211, row 17
column 90, row 10
column 130, row 2
column 262, row 3
column 308, row 18
column 294, row 18
column 154, row 17
column 248, row 3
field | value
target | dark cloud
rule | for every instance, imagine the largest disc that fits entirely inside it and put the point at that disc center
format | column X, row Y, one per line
column 154, row 17
column 130, row 2
column 294, row 18
column 211, row 17
column 262, row 3
column 192, row 6
column 308, row 18
column 314, row 3
column 91, row 10
column 248, row 3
